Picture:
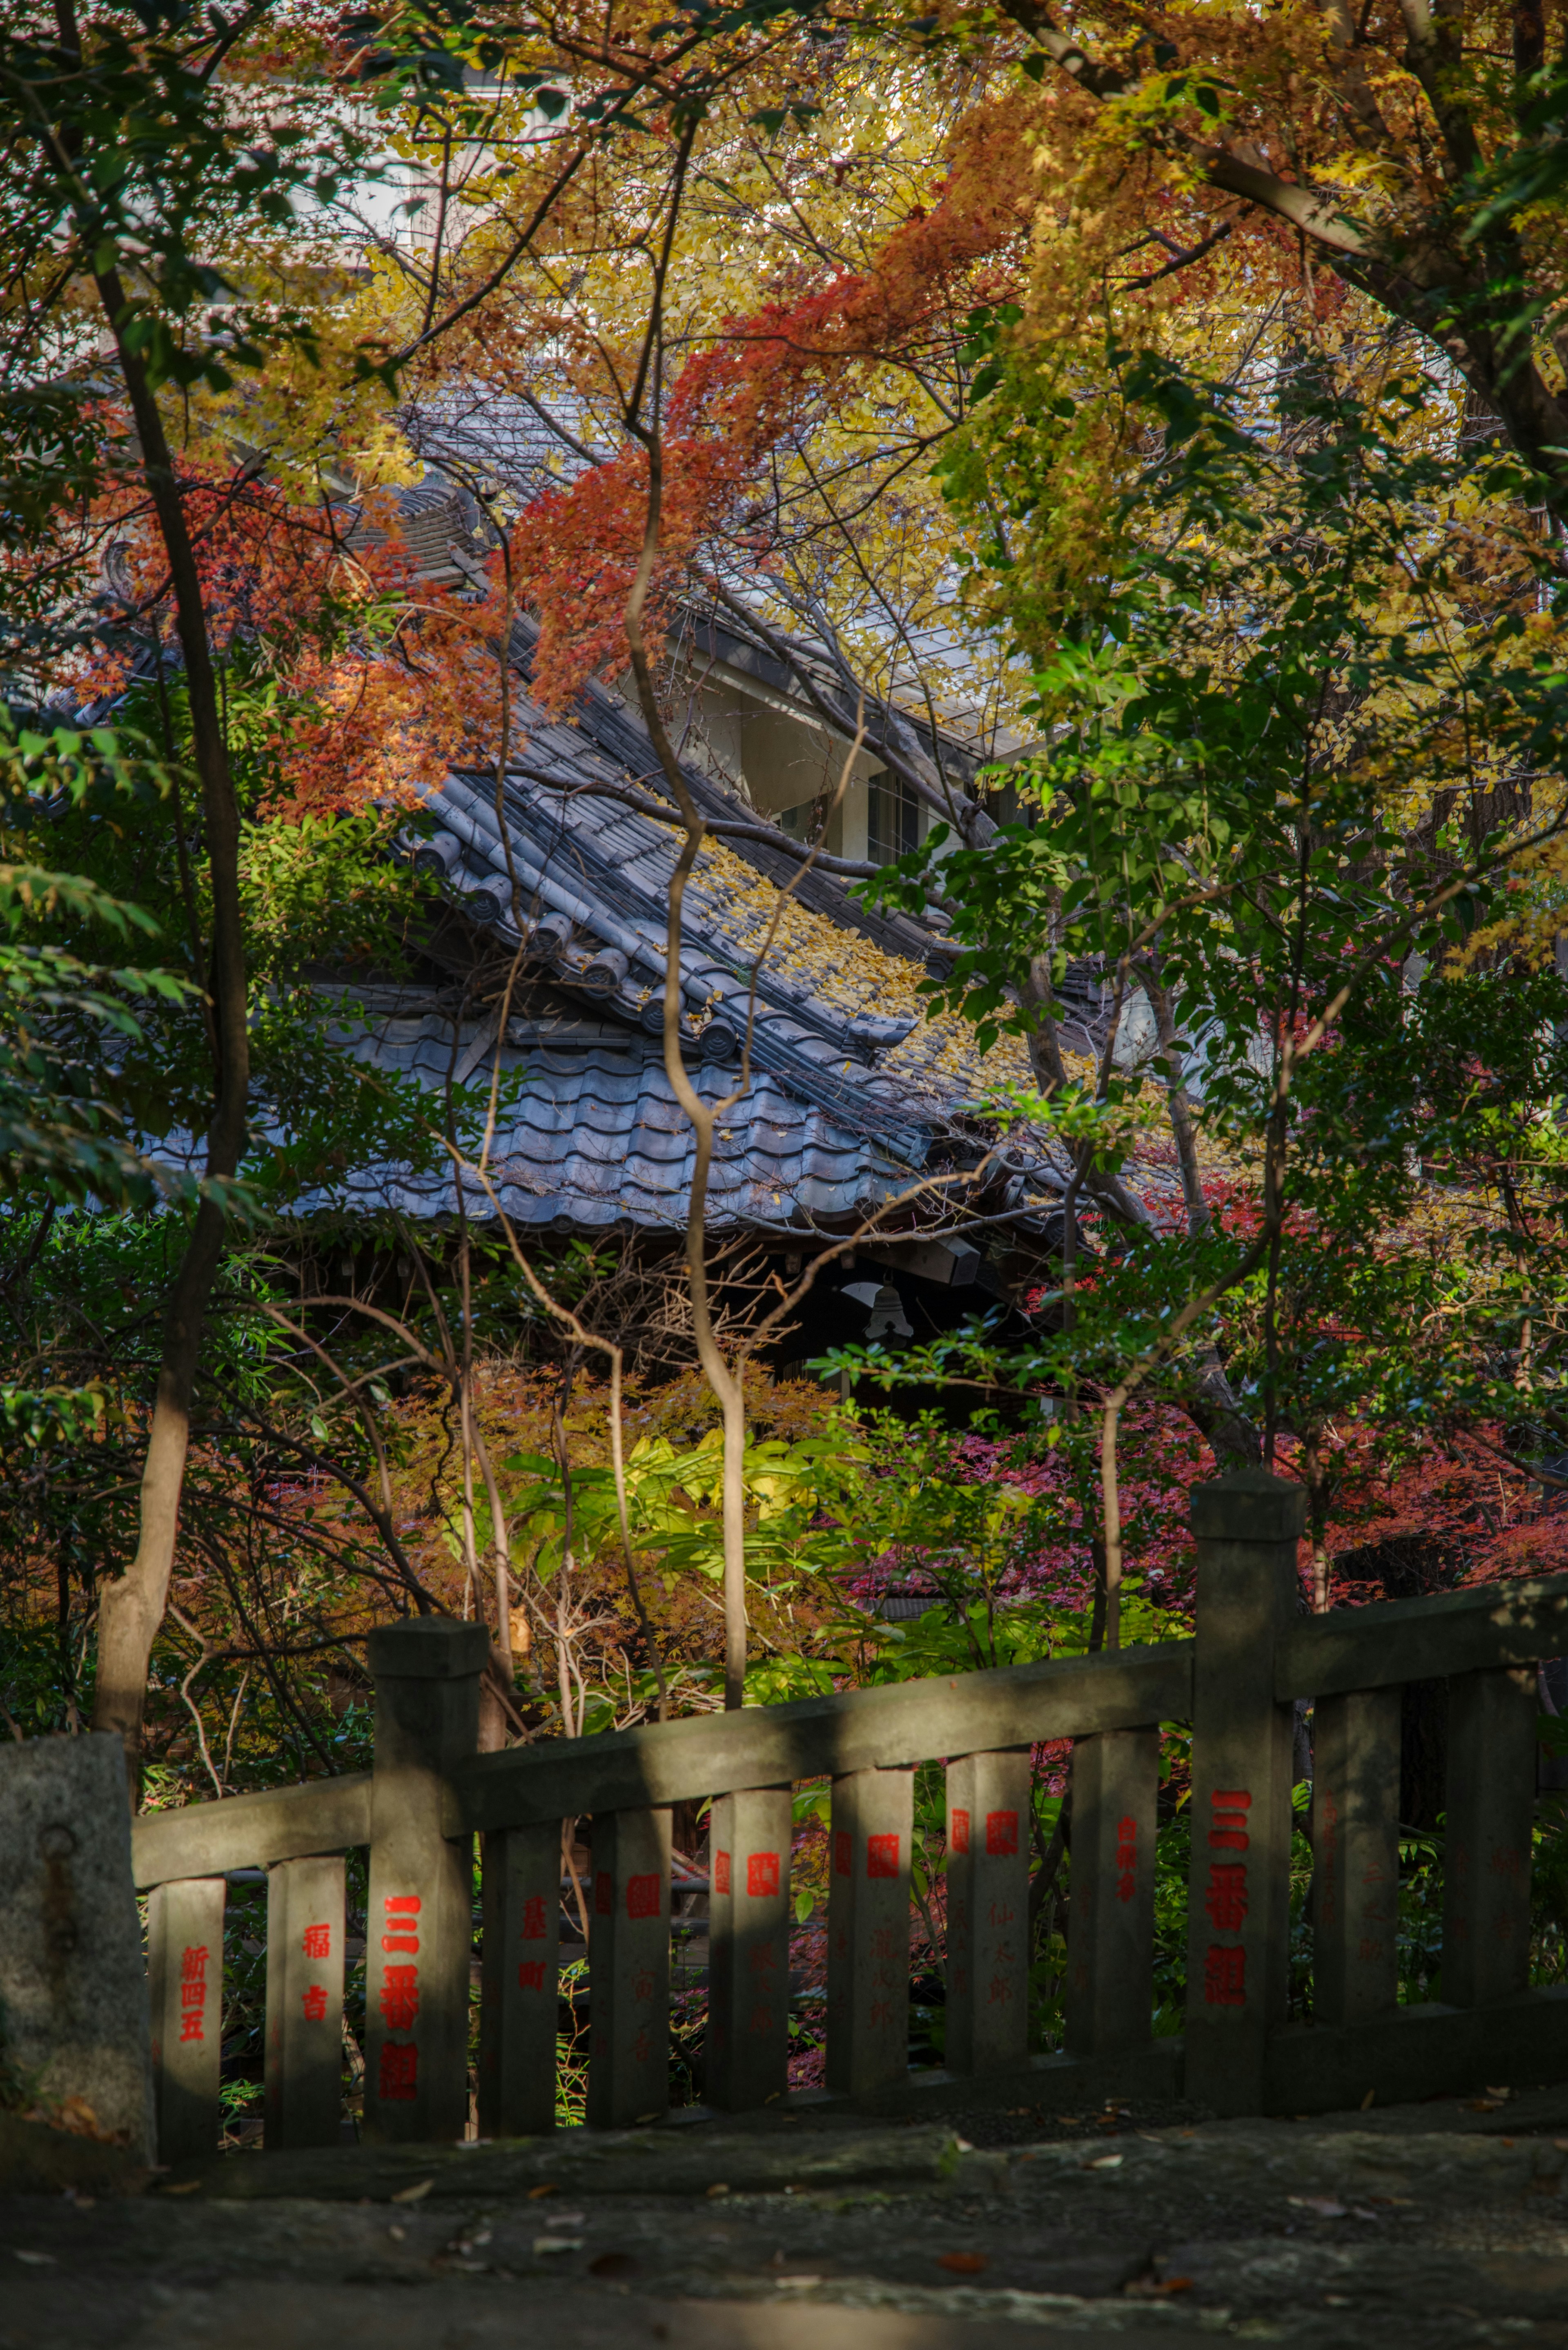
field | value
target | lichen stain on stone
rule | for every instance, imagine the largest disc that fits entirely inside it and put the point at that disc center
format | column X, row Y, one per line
column 62, row 1931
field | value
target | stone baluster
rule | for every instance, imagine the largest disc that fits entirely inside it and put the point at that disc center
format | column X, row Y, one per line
column 1493, row 1734
column 870, row 1839
column 419, row 1927
column 1238, row 1952
column 1356, row 1855
column 988, row 1911
column 747, row 2054
column 185, row 1985
column 1110, row 1924
column 629, row 1970
column 302, row 2064
column 520, row 1980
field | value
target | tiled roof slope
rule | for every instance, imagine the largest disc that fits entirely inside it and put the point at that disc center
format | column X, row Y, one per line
column 600, row 1142
column 855, row 1094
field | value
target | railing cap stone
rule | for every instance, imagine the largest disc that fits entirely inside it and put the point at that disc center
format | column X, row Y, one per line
column 1248, row 1505
column 429, row 1648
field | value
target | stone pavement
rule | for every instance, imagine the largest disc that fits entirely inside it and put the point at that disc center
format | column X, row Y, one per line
column 1436, row 2225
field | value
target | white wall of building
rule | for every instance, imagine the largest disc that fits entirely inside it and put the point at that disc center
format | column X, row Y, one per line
column 779, row 757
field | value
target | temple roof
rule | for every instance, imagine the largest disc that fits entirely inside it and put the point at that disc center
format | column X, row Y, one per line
column 857, row 1092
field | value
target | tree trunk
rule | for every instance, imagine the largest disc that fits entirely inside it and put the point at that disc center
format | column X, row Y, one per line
column 133, row 1606
column 1045, row 1060
column 1210, row 1402
column 1178, row 1105
column 130, row 1608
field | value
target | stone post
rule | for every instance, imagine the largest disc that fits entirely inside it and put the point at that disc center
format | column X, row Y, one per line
column 1356, row 1855
column 746, row 2059
column 629, row 1970
column 870, row 1840
column 1491, row 1804
column 304, row 2058
column 1238, row 1946
column 1110, row 1922
column 72, row 1989
column 186, row 1965
column 520, row 1980
column 418, row 1932
column 988, row 1911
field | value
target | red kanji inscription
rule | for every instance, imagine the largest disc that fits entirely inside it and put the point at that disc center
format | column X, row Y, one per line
column 762, row 1872
column 400, row 2001
column 721, row 1872
column 882, row 1856
column 1000, row 1833
column 1229, row 1825
column 397, row 2075
column 842, row 1864
column 959, row 1833
column 643, row 1896
column 1226, row 1899
column 1126, row 1858
column 531, row 1974
column 316, row 1941
column 533, row 1925
column 1225, row 1975
column 402, row 1912
column 313, row 1999
column 194, row 1991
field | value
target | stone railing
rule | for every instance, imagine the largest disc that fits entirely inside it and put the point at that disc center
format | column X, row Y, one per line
column 1236, row 1683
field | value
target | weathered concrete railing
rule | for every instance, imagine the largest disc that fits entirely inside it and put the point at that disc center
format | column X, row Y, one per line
column 430, row 1794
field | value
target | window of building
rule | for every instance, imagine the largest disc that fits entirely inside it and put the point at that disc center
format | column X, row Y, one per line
column 892, row 819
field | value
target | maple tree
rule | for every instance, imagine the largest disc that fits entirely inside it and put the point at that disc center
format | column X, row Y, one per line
column 793, row 438
column 1408, row 155
column 1304, row 790
column 1252, row 186
column 815, row 262
column 148, row 154
column 160, row 162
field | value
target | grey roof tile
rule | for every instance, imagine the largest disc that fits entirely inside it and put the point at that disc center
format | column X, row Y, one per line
column 599, row 1137
column 822, row 1130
